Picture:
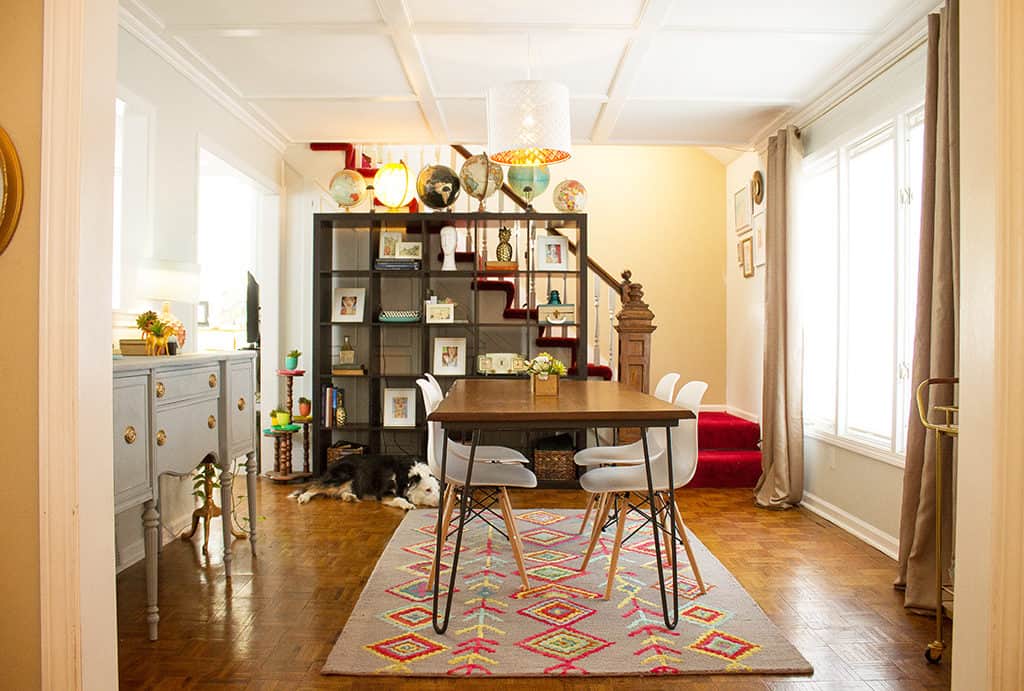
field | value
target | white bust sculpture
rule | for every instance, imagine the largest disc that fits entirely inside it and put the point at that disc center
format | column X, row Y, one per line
column 448, row 241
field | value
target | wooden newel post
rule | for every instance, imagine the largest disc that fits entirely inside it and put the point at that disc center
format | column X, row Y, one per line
column 635, row 326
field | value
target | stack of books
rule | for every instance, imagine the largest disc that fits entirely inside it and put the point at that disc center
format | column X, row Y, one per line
column 334, row 409
column 397, row 264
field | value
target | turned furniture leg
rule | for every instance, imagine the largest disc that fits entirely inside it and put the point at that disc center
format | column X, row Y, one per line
column 277, row 453
column 599, row 518
column 151, row 526
column 250, row 481
column 591, row 501
column 305, row 447
column 623, row 504
column 225, row 500
column 681, row 527
column 513, row 535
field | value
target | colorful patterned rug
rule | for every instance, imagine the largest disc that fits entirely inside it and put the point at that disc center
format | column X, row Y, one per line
column 561, row 625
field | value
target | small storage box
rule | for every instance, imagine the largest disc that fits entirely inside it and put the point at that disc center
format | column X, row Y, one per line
column 553, row 458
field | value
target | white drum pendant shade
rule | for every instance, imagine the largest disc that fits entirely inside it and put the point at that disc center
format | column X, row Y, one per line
column 528, row 123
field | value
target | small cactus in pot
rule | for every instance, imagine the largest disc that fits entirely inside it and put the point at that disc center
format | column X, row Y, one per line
column 291, row 361
column 305, row 407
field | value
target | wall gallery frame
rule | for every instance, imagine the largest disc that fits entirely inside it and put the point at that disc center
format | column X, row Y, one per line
column 760, row 238
column 399, row 407
column 349, row 305
column 747, row 253
column 449, row 357
column 741, row 209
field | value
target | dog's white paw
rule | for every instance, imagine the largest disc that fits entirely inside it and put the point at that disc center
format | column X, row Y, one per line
column 304, row 497
column 348, row 496
column 399, row 503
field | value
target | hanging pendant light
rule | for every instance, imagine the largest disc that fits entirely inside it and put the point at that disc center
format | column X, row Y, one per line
column 528, row 123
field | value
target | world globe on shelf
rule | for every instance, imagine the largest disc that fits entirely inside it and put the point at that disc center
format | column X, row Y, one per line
column 570, row 196
column 528, row 182
column 347, row 188
column 481, row 178
column 438, row 186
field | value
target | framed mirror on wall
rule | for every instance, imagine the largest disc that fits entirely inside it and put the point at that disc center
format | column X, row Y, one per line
column 10, row 189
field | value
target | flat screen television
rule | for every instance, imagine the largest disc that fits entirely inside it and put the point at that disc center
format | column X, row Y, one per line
column 252, row 311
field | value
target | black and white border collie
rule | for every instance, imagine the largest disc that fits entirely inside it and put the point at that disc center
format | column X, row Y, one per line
column 404, row 483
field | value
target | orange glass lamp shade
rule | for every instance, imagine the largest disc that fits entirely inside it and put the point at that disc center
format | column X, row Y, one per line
column 528, row 123
column 394, row 185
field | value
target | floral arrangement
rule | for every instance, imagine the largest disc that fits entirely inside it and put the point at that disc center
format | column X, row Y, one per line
column 545, row 365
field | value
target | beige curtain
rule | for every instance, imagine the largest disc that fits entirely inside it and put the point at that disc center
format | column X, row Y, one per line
column 781, row 484
column 937, row 336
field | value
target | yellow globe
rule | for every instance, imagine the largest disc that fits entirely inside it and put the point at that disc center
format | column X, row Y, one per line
column 393, row 185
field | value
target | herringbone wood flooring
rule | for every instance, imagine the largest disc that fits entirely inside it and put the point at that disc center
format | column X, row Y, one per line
column 829, row 593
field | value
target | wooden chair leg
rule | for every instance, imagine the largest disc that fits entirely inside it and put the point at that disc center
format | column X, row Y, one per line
column 623, row 505
column 662, row 500
column 448, row 506
column 513, row 535
column 681, row 527
column 599, row 518
column 591, row 501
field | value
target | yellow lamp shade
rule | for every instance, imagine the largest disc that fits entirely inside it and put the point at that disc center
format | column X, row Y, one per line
column 393, row 185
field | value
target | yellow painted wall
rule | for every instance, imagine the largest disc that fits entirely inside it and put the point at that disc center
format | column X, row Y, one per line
column 21, row 49
column 657, row 210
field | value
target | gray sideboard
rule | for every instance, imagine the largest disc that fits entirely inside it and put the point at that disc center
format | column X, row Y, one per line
column 170, row 412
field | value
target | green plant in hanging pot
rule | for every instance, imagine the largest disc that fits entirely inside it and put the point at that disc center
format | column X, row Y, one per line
column 291, row 361
column 305, row 406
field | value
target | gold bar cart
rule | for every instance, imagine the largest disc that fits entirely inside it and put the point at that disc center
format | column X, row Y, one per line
column 949, row 428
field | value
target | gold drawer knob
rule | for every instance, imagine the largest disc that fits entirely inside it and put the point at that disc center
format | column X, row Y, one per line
column 161, row 438
column 241, row 403
column 211, row 422
column 213, row 380
column 129, row 434
column 160, row 390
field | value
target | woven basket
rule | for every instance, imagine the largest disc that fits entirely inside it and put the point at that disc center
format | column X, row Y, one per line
column 554, row 465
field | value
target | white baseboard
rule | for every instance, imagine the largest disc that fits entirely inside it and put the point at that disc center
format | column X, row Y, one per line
column 135, row 552
column 712, row 408
column 888, row 545
column 746, row 415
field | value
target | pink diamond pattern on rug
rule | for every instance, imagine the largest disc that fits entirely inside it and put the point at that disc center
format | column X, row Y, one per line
column 566, row 644
column 426, row 549
column 422, row 568
column 415, row 617
column 704, row 616
column 416, row 590
column 540, row 517
column 549, row 556
column 546, row 536
column 557, row 611
column 721, row 644
column 688, row 588
column 552, row 573
column 406, row 648
column 555, row 589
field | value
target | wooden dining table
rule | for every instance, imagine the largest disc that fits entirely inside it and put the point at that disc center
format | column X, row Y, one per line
column 477, row 406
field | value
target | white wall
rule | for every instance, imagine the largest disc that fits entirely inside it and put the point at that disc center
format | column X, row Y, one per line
column 185, row 118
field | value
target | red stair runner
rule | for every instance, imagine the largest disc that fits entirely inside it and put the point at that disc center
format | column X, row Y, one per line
column 729, row 454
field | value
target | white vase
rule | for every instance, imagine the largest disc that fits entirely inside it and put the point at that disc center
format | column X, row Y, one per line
column 448, row 242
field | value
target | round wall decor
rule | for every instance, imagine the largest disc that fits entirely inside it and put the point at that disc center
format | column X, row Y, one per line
column 11, row 189
column 757, row 187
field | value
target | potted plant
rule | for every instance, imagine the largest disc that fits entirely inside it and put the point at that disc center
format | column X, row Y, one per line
column 305, row 406
column 291, row 361
column 544, row 372
column 280, row 418
column 159, row 332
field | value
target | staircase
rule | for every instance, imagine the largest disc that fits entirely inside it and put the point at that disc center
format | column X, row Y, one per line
column 729, row 453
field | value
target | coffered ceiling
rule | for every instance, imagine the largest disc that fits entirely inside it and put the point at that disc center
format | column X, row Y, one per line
column 707, row 72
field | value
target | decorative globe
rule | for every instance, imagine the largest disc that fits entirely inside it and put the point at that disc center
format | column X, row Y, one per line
column 481, row 178
column 438, row 186
column 348, row 188
column 528, row 182
column 393, row 185
column 570, row 195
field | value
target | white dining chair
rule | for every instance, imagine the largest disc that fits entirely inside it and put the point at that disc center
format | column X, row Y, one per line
column 625, row 453
column 499, row 476
column 617, row 482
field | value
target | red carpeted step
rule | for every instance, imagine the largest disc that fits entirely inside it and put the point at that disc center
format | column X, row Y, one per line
column 602, row 371
column 725, row 431
column 727, row 468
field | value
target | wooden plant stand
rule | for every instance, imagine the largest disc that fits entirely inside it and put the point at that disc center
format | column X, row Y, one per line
column 282, row 436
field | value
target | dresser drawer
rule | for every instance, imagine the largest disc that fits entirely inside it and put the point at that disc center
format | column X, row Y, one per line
column 177, row 384
column 131, row 441
column 240, row 409
column 185, row 433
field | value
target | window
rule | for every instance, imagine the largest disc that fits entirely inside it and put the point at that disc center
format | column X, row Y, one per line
column 860, row 215
column 131, row 220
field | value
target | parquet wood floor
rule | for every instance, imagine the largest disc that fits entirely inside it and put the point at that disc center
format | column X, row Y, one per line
column 273, row 628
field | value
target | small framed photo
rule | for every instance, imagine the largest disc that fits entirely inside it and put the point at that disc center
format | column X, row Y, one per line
column 410, row 250
column 552, row 253
column 349, row 304
column 760, row 238
column 449, row 356
column 747, row 250
column 741, row 209
column 439, row 312
column 389, row 241
column 399, row 407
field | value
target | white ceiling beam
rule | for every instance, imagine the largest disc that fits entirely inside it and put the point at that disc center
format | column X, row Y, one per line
column 396, row 17
column 241, row 30
column 651, row 19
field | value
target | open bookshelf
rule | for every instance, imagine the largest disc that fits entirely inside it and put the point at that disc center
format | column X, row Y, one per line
column 395, row 354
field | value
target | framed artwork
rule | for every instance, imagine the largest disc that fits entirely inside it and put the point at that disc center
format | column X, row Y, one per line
column 410, row 250
column 389, row 241
column 739, row 252
column 349, row 304
column 449, row 357
column 760, row 238
column 552, row 253
column 439, row 312
column 741, row 209
column 399, row 407
column 747, row 250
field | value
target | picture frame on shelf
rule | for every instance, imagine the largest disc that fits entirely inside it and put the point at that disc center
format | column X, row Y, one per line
column 389, row 241
column 760, row 226
column 741, row 209
column 552, row 253
column 439, row 312
column 449, row 357
column 409, row 250
column 349, row 305
column 747, row 251
column 399, row 407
